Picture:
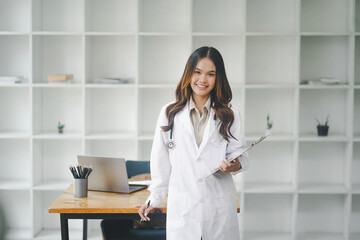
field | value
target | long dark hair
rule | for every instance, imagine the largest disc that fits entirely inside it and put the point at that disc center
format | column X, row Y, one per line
column 221, row 95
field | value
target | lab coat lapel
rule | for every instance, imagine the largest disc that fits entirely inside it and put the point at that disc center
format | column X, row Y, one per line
column 185, row 120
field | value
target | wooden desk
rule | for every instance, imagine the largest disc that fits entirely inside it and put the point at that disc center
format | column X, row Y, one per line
column 102, row 205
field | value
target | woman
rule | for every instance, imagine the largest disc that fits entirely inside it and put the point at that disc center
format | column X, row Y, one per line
column 194, row 136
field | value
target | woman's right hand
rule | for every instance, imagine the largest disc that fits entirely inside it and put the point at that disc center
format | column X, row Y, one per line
column 144, row 211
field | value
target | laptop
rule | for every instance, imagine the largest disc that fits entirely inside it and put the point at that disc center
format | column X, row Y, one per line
column 108, row 174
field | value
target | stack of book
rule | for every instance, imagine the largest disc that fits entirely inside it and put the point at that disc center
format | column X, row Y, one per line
column 321, row 81
column 60, row 78
column 113, row 80
column 4, row 80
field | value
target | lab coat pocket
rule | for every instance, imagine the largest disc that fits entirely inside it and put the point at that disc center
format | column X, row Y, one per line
column 177, row 210
column 226, row 209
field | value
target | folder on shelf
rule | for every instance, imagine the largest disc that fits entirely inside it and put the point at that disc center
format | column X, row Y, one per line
column 247, row 149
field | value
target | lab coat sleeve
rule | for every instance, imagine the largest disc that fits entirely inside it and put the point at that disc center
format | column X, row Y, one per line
column 238, row 145
column 160, row 166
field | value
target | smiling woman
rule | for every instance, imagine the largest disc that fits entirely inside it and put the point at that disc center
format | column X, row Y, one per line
column 206, row 134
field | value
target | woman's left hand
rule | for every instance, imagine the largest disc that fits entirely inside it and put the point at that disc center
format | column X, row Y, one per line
column 230, row 166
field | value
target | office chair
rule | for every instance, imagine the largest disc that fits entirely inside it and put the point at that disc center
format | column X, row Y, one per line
column 123, row 229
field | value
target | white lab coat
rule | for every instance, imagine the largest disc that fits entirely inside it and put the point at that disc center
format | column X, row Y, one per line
column 197, row 206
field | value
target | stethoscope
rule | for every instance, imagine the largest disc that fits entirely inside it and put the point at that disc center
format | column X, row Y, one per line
column 170, row 144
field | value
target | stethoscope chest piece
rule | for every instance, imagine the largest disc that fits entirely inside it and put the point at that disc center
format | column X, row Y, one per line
column 170, row 144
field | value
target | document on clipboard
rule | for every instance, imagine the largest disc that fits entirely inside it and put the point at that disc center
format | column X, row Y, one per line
column 247, row 149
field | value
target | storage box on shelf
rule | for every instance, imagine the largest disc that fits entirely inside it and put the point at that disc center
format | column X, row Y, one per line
column 118, row 16
column 268, row 216
column 110, row 113
column 272, row 168
column 110, row 57
column 57, row 16
column 232, row 51
column 15, row 206
column 162, row 59
column 164, row 16
column 15, row 163
column 278, row 16
column 322, row 216
column 51, row 160
column 51, row 105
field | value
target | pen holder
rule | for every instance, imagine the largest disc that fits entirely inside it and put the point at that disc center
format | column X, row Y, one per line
column 81, row 188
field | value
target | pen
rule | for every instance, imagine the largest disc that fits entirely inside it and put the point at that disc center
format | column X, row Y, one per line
column 147, row 206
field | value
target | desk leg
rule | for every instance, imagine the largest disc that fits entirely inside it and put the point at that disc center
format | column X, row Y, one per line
column 85, row 229
column 64, row 227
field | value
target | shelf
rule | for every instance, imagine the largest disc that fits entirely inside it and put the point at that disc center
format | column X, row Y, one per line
column 52, row 158
column 356, row 128
column 110, row 135
column 110, row 57
column 273, row 101
column 313, row 137
column 319, row 104
column 164, row 16
column 355, row 216
column 231, row 47
column 52, row 15
column 320, row 236
column 325, row 56
column 218, row 16
column 268, row 187
column 273, row 85
column 18, row 233
column 320, row 216
column 14, row 135
column 277, row 156
column 53, row 185
column 14, row 184
column 271, row 16
column 325, row 15
column 322, row 188
column 339, row 86
column 314, row 157
column 15, row 49
column 267, row 235
column 15, row 16
column 51, row 105
column 120, row 85
column 275, row 211
column 274, row 137
column 15, row 122
column 56, row 85
column 270, row 59
column 111, row 16
column 118, row 103
column 174, row 49
column 55, row 135
column 125, row 148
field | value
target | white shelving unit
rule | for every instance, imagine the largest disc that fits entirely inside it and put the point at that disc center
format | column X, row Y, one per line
column 299, row 185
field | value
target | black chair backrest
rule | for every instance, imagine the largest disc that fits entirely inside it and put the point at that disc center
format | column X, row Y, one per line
column 134, row 168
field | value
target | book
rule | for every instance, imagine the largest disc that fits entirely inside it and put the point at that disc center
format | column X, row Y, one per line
column 60, row 77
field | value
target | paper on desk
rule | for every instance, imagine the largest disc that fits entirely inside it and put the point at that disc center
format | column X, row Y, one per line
column 142, row 182
column 247, row 149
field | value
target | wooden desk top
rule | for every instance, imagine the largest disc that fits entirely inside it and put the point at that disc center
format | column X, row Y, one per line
column 104, row 202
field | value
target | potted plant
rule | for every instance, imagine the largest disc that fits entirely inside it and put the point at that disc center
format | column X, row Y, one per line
column 323, row 129
column 269, row 125
column 60, row 127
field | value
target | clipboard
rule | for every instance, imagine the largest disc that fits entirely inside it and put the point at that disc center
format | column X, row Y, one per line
column 247, row 149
